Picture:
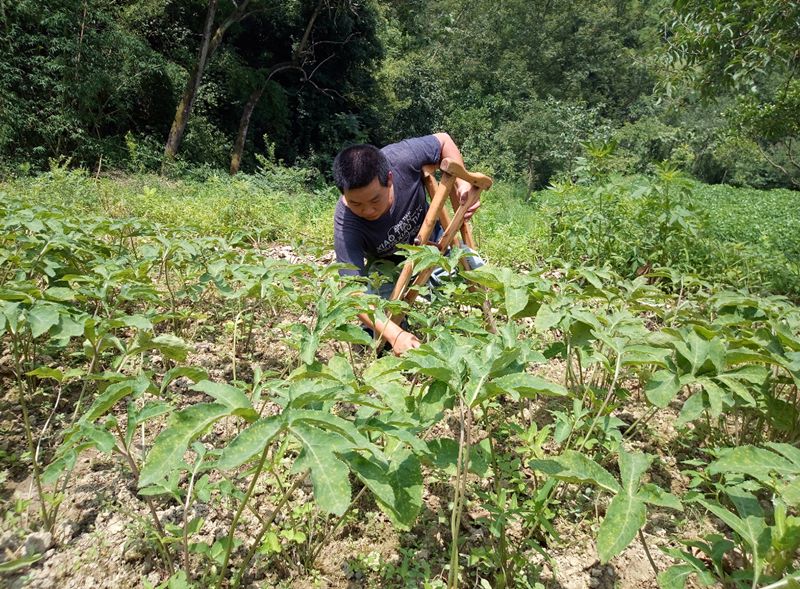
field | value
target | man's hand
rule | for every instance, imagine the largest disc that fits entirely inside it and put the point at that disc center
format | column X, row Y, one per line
column 405, row 341
column 465, row 191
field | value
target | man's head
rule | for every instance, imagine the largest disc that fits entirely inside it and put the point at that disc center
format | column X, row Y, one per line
column 363, row 175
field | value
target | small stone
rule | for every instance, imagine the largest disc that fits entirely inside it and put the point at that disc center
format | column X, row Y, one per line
column 594, row 582
column 115, row 527
column 596, row 572
column 8, row 541
column 67, row 530
column 38, row 543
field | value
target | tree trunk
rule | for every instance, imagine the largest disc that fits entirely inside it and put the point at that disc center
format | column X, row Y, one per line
column 207, row 48
column 255, row 96
column 244, row 124
column 192, row 86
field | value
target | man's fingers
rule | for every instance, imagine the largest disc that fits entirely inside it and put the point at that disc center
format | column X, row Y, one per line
column 471, row 211
column 404, row 342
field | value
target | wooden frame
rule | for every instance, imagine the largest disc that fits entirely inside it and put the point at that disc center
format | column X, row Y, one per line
column 453, row 226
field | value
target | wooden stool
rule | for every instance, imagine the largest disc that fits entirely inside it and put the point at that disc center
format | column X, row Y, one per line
column 453, row 226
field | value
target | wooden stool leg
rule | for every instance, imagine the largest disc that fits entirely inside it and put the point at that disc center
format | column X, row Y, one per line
column 425, row 232
column 451, row 171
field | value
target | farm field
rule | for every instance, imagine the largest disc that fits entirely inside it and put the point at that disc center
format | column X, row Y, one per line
column 189, row 402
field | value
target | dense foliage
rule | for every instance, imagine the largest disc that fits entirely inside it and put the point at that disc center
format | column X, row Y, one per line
column 92, row 79
column 521, row 86
column 538, row 416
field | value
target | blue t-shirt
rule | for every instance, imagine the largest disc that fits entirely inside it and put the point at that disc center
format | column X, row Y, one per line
column 356, row 239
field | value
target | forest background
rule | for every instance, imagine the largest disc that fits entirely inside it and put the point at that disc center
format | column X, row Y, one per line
column 166, row 206
column 523, row 87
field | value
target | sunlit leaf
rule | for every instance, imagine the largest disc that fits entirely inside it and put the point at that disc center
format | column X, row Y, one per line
column 624, row 518
column 575, row 467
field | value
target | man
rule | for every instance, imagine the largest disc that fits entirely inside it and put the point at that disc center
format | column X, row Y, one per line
column 383, row 205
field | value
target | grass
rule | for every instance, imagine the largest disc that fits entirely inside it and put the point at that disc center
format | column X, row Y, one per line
column 746, row 237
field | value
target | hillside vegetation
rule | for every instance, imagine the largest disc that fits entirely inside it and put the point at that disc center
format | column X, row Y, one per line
column 627, row 415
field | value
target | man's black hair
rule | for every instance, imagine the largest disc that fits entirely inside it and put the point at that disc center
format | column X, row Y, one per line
column 357, row 165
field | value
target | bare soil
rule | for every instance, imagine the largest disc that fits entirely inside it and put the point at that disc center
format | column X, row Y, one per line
column 100, row 540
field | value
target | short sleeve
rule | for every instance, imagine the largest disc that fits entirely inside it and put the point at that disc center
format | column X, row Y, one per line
column 414, row 153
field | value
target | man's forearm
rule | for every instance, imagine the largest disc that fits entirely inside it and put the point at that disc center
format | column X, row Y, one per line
column 388, row 330
column 450, row 151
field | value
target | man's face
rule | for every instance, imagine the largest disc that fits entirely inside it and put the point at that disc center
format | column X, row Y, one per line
column 372, row 201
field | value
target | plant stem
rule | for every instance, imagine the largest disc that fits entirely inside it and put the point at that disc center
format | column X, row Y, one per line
column 22, row 391
column 647, row 552
column 338, row 523
column 605, row 402
column 462, row 469
column 125, row 451
column 233, row 351
column 643, row 420
column 254, row 548
column 189, row 492
column 784, row 583
column 229, row 545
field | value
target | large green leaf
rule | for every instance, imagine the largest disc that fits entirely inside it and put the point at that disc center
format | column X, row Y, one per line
column 423, row 361
column 396, row 484
column 230, row 396
column 692, row 408
column 625, row 516
column 654, row 495
column 704, row 576
column 526, row 385
column 250, row 442
column 42, row 317
column 790, row 492
column 171, row 444
column 662, row 388
column 547, row 317
column 346, row 430
column 632, row 465
column 191, row 372
column 694, row 350
column 575, row 467
column 516, row 299
column 675, row 577
column 642, row 354
column 112, row 394
column 716, row 396
column 329, row 475
column 137, row 416
column 444, row 455
column 754, row 461
column 753, row 531
column 790, row 452
column 738, row 388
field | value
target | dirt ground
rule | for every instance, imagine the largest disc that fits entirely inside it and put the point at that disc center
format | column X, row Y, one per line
column 100, row 539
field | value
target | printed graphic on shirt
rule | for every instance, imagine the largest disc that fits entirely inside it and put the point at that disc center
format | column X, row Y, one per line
column 401, row 232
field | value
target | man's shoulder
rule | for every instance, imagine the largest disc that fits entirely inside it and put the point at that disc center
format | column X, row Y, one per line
column 343, row 216
column 414, row 151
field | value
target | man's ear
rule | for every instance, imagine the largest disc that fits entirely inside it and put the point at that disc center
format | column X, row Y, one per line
column 389, row 179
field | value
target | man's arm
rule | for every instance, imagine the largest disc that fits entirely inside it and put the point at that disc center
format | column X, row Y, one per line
column 463, row 188
column 400, row 340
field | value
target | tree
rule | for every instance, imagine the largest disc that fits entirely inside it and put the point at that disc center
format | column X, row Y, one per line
column 484, row 70
column 750, row 47
column 74, row 78
column 299, row 54
column 211, row 40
